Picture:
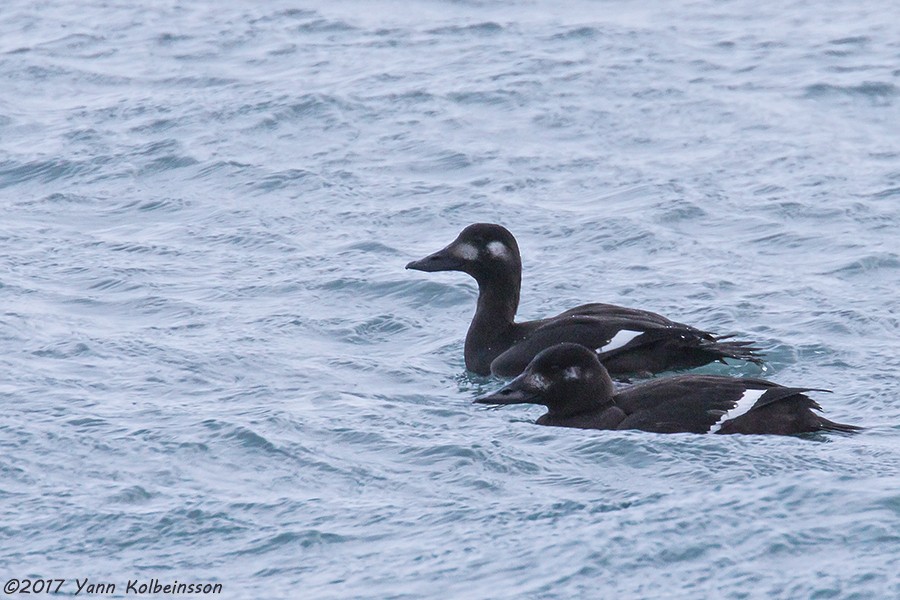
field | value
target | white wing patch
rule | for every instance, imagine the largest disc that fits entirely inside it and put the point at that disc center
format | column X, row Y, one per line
column 498, row 250
column 743, row 406
column 620, row 339
column 466, row 252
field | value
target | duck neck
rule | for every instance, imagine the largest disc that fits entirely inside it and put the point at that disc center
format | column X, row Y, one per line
column 492, row 330
column 498, row 300
column 593, row 396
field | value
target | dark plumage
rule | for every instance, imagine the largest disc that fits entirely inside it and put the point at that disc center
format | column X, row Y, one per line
column 628, row 341
column 576, row 389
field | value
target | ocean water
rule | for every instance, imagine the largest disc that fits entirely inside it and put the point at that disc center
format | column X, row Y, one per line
column 216, row 369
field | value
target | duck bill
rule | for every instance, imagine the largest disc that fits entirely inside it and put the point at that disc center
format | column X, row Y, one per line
column 516, row 391
column 442, row 260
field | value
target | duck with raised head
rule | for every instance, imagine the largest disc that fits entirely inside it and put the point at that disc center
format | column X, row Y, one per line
column 628, row 341
column 577, row 390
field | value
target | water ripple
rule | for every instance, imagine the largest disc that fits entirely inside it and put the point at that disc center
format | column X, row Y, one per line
column 878, row 92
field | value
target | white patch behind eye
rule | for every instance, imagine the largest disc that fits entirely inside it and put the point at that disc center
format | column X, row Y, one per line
column 466, row 252
column 498, row 250
column 537, row 381
column 620, row 339
column 572, row 374
column 743, row 406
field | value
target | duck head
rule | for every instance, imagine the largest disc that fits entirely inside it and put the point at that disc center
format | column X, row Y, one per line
column 483, row 250
column 566, row 378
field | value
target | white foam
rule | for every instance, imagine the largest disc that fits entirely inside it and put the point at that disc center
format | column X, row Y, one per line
column 743, row 406
column 620, row 339
column 466, row 252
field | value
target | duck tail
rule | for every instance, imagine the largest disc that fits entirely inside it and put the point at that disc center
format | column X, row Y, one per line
column 723, row 347
column 826, row 425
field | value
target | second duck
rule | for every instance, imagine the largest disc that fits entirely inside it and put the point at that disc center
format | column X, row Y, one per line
column 627, row 341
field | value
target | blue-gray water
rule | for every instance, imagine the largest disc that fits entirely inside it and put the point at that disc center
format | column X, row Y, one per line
column 215, row 368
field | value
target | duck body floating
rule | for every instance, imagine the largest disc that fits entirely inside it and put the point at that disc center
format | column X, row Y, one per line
column 627, row 341
column 577, row 390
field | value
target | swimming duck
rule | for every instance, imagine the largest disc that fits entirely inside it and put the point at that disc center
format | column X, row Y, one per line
column 577, row 390
column 628, row 341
